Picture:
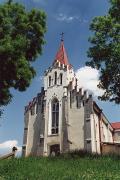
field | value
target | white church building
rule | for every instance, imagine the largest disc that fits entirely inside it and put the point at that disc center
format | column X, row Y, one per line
column 63, row 118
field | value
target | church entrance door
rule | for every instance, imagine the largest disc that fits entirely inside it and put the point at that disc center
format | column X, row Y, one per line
column 54, row 150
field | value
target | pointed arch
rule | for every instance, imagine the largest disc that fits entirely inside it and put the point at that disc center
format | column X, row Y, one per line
column 61, row 77
column 49, row 81
column 55, row 116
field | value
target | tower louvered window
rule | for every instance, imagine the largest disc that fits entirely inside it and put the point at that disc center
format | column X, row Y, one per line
column 49, row 81
column 55, row 116
column 61, row 76
column 55, row 82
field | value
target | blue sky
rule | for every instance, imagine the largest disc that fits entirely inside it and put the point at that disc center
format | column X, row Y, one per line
column 73, row 18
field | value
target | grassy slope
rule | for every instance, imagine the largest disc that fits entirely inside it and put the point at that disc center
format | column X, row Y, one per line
column 60, row 168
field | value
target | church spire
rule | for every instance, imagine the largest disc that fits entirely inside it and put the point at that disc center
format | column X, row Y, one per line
column 61, row 55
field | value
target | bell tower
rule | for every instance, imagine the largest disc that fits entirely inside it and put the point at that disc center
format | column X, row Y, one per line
column 56, row 81
column 61, row 72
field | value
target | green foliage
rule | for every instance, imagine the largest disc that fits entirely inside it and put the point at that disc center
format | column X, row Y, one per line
column 105, row 51
column 21, row 39
column 61, row 168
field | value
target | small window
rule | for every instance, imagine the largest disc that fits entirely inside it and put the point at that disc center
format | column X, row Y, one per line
column 49, row 81
column 55, row 82
column 88, row 115
column 88, row 140
column 77, row 101
column 61, row 76
column 25, row 128
column 83, row 103
column 24, row 147
column 42, row 108
column 41, row 140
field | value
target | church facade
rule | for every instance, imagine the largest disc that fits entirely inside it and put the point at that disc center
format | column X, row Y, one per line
column 62, row 117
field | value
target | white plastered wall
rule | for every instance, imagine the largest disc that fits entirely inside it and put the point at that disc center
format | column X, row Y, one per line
column 117, row 136
column 100, row 131
column 95, row 136
column 106, row 133
column 30, row 134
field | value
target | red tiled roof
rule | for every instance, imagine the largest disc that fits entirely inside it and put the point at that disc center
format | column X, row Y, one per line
column 61, row 55
column 116, row 125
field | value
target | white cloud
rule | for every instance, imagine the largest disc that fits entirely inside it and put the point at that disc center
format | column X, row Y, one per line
column 7, row 146
column 65, row 18
column 88, row 79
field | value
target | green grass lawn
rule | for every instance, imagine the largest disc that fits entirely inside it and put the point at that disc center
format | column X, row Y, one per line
column 103, row 168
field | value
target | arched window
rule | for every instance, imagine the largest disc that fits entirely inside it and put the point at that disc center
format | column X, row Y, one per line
column 49, row 81
column 61, row 75
column 55, row 116
column 55, row 82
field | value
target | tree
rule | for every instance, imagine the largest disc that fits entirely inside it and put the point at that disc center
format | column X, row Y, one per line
column 21, row 39
column 105, row 51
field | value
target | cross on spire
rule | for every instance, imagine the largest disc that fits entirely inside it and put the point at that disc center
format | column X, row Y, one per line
column 62, row 36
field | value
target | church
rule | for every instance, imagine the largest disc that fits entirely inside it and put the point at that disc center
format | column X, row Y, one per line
column 64, row 117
